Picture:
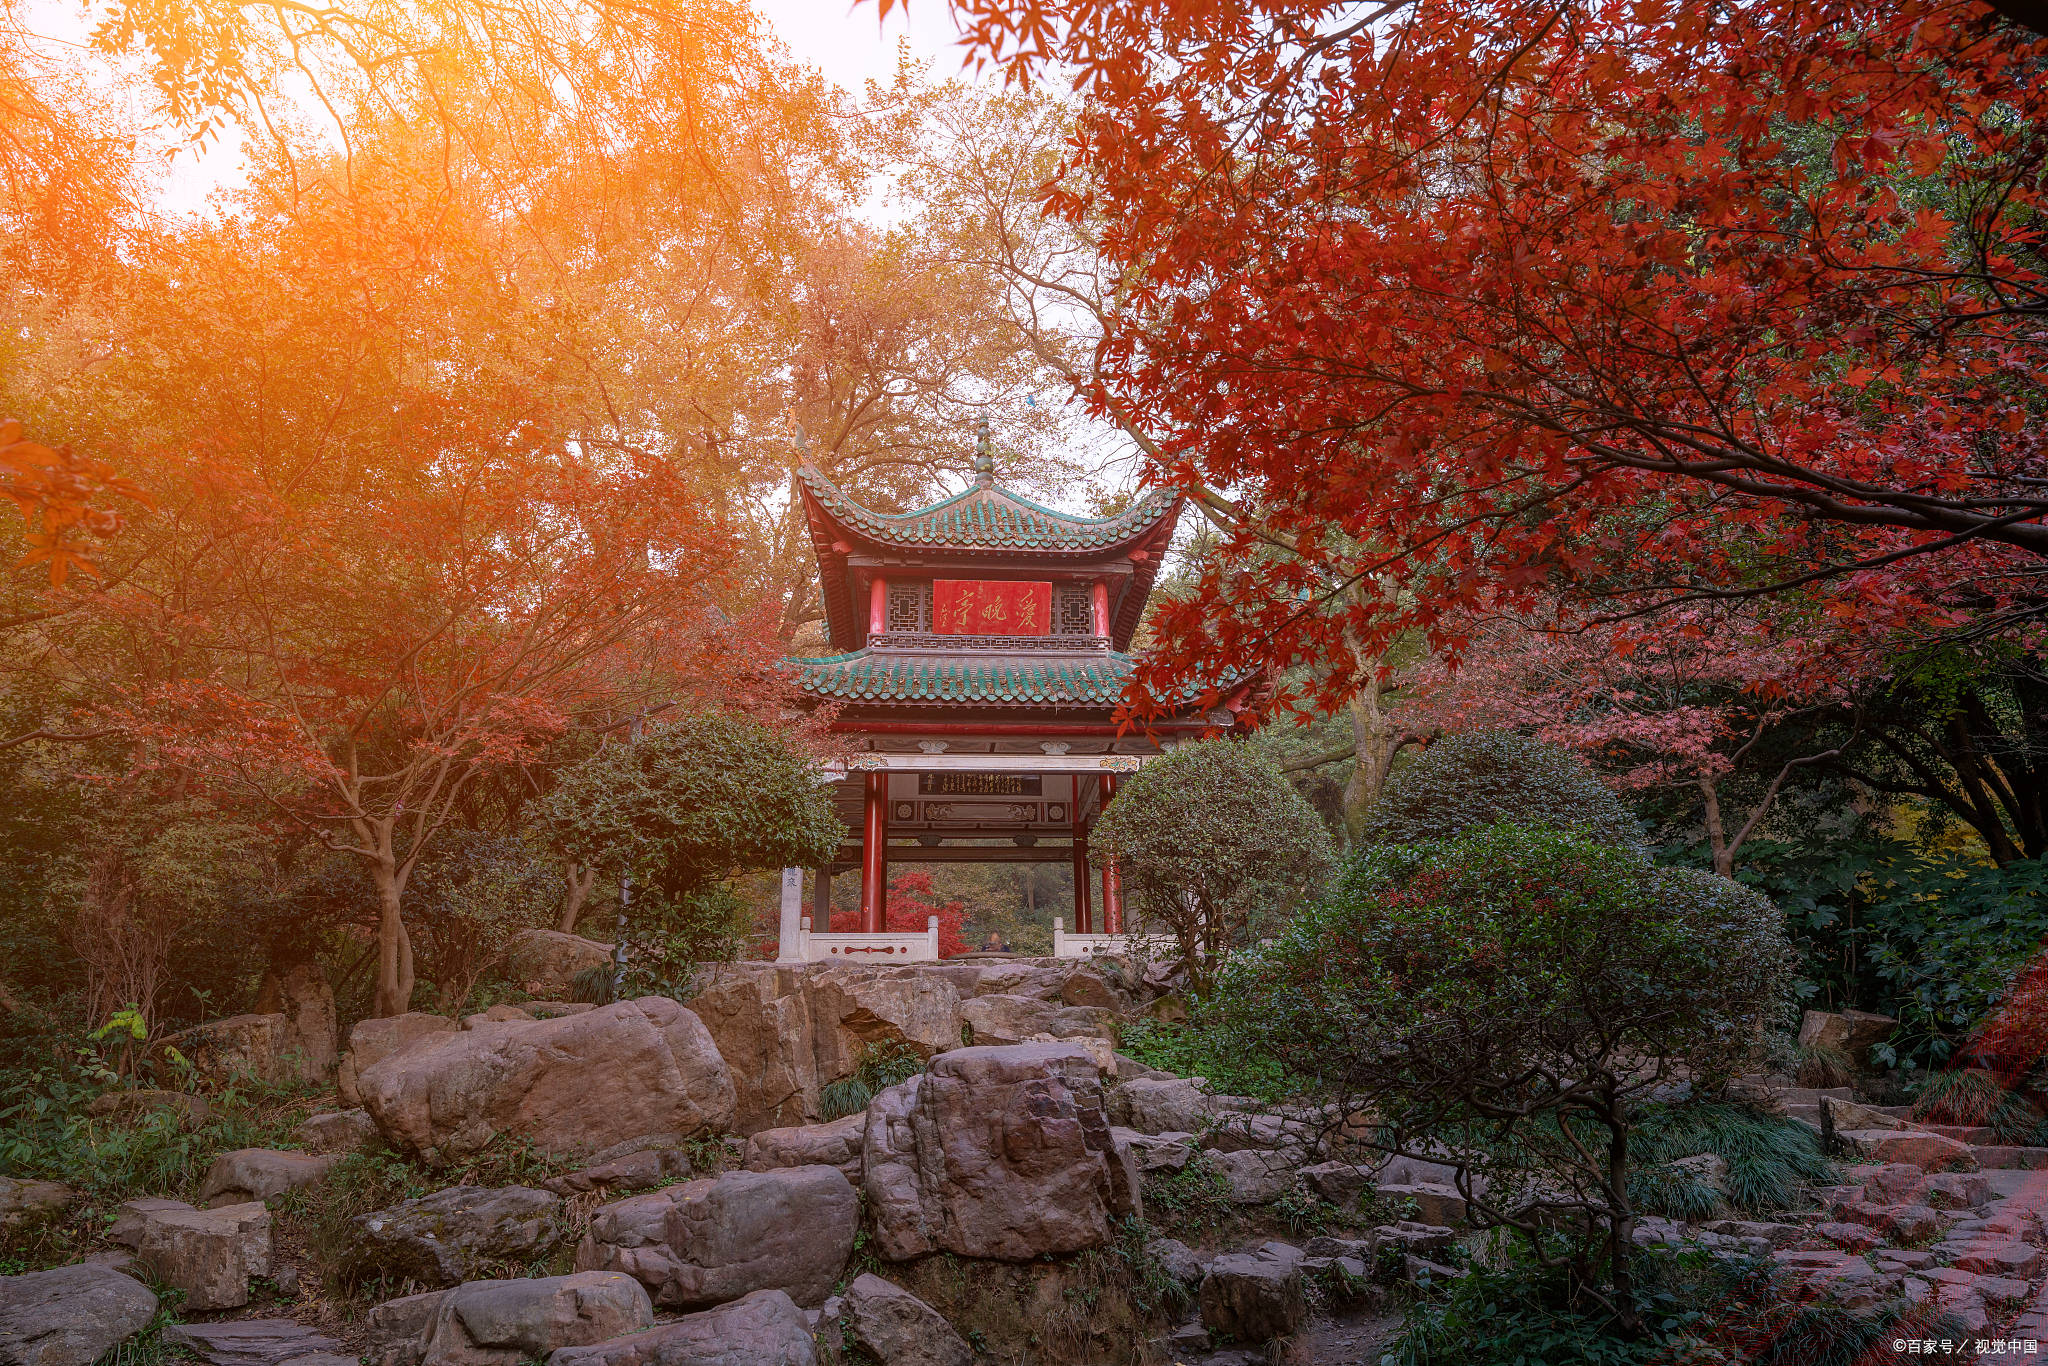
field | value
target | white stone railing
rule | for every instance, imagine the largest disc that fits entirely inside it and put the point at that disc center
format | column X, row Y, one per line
column 1066, row 945
column 896, row 947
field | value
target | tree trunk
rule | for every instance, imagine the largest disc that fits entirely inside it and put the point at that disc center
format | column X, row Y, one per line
column 1622, row 1229
column 1717, row 835
column 394, row 946
column 1375, row 741
column 578, row 881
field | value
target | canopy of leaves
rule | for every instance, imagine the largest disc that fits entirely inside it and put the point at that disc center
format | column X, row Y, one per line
column 1462, row 782
column 1212, row 843
column 693, row 801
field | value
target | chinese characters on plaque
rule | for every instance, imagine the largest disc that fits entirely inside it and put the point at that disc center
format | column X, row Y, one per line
column 989, row 607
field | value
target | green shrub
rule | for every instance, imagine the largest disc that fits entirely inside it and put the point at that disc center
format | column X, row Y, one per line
column 1199, row 1050
column 1517, row 996
column 1191, row 1203
column 880, row 1066
column 1214, row 846
column 1465, row 782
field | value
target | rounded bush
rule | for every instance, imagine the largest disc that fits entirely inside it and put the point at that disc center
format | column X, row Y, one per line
column 1464, row 782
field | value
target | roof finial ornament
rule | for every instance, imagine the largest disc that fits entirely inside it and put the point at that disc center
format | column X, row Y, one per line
column 984, row 454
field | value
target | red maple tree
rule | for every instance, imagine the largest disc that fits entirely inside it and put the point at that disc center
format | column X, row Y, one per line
column 1466, row 302
column 911, row 903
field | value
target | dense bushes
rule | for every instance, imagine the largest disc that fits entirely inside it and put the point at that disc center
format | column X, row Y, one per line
column 1214, row 846
column 1517, row 995
column 1462, row 782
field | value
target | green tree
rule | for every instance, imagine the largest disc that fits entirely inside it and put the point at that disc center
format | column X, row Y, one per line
column 1522, row 998
column 694, row 802
column 1214, row 845
column 1481, row 778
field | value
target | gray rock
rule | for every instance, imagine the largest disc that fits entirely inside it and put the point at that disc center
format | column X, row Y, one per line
column 24, row 1200
column 1340, row 1183
column 1162, row 1106
column 836, row 1143
column 247, row 1174
column 1421, row 1240
column 339, row 1131
column 993, row 1152
column 397, row 1329
column 1156, row 1152
column 762, row 1329
column 130, row 1216
column 1254, row 1297
column 570, row 1085
column 208, row 1254
column 1176, row 1260
column 372, row 1041
column 899, row 1329
column 634, row 1171
column 706, row 1242
column 1255, row 1177
column 460, row 1233
column 1130, row 1069
column 251, row 1342
column 502, row 1323
column 1433, row 1204
column 70, row 1316
column 1956, row 1190
column 1239, row 1131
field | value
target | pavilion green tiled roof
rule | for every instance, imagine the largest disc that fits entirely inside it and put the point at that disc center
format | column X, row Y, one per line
column 863, row 676
column 990, row 517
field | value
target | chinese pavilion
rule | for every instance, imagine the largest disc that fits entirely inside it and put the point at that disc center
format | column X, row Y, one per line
column 983, row 650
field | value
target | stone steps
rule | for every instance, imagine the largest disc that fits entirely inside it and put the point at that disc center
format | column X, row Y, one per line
column 2001, row 1157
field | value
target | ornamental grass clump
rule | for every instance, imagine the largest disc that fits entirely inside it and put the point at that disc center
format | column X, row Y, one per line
column 1519, row 998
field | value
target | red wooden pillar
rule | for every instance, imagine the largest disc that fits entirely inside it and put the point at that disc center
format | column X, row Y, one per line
column 1112, row 885
column 874, row 854
column 878, row 606
column 1101, row 599
column 1083, row 912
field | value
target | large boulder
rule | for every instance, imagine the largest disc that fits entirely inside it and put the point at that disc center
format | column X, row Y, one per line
column 1849, row 1032
column 897, row 1328
column 575, row 1084
column 709, row 1241
column 502, row 1323
column 257, row 1174
column 1254, row 1296
column 547, row 962
column 1915, row 1147
column 1254, row 1177
column 834, row 1144
column 997, row 1020
column 762, row 1329
column 71, row 1316
column 208, row 1254
column 653, row 1166
column 992, row 1152
column 372, row 1041
column 460, row 1233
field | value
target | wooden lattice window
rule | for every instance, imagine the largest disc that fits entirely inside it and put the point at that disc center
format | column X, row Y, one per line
column 910, row 607
column 1076, row 610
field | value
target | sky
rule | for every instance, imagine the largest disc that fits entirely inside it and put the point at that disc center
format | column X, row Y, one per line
column 848, row 42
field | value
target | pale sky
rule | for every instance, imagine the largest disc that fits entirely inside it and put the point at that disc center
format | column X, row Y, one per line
column 846, row 42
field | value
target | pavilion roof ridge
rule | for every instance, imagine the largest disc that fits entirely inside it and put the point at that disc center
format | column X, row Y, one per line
column 987, row 515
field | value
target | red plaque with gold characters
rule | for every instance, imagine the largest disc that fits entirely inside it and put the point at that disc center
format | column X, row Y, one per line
column 990, row 607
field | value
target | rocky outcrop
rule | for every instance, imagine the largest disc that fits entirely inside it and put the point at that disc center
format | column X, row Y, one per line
column 505, row 1322
column 547, row 962
column 897, row 1328
column 302, row 995
column 259, row 1046
column 997, row 1019
column 1175, row 1105
column 1254, row 1177
column 762, row 1329
column 834, row 1144
column 208, row 1254
column 70, row 1316
column 372, row 1041
column 570, row 1085
column 1849, row 1032
column 628, row 1171
column 1255, row 1296
column 460, row 1233
column 338, row 1131
column 258, row 1342
column 706, row 1242
column 993, row 1152
column 257, row 1174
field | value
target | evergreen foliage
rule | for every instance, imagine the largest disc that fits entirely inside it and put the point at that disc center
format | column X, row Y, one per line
column 1480, row 778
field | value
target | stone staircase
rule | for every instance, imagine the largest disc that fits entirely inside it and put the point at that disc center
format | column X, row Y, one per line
column 1803, row 1103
